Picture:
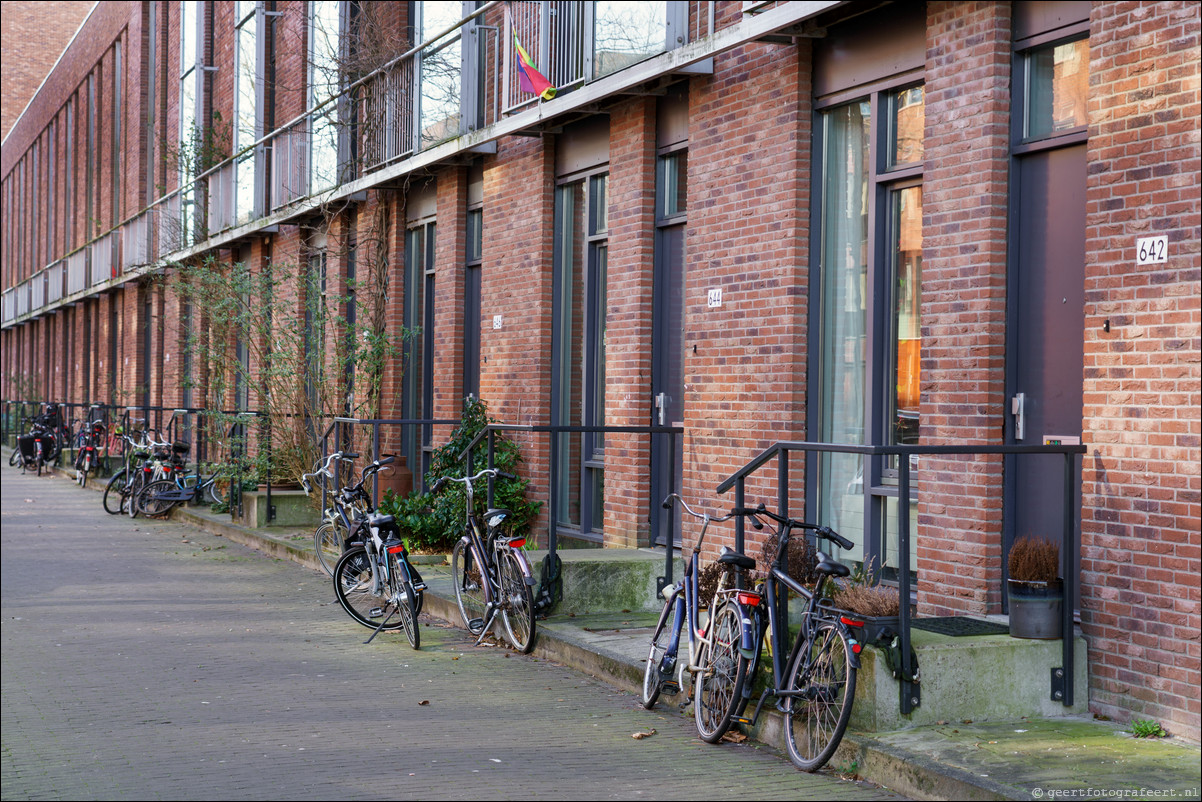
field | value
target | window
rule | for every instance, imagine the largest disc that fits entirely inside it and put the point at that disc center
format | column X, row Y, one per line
column 246, row 110
column 625, row 33
column 439, row 74
column 578, row 350
column 417, row 401
column 869, row 343
column 189, row 133
column 471, row 302
column 1056, row 87
column 324, row 85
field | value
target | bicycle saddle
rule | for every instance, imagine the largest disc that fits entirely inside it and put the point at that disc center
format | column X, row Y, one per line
column 732, row 557
column 829, row 567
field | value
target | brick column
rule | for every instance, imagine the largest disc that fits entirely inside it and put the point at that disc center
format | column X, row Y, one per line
column 959, row 537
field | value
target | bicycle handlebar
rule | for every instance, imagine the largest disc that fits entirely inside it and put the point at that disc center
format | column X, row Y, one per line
column 791, row 523
column 496, row 472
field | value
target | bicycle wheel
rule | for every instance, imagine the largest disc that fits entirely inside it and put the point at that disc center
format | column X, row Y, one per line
column 353, row 587
column 114, row 495
column 219, row 491
column 84, row 469
column 14, row 459
column 327, row 543
column 719, row 682
column 817, row 717
column 136, row 483
column 653, row 678
column 469, row 587
column 517, row 603
column 153, row 499
column 407, row 607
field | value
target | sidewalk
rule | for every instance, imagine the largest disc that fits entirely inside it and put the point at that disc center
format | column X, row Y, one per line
column 1026, row 759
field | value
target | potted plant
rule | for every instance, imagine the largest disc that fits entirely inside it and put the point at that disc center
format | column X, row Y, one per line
column 1035, row 589
column 873, row 608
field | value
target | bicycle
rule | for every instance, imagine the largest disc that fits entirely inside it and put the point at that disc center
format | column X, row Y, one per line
column 815, row 684
column 120, row 485
column 37, row 448
column 710, row 656
column 490, row 571
column 88, row 441
column 162, row 495
column 374, row 574
column 348, row 505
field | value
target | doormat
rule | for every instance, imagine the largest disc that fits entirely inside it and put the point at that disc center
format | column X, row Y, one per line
column 960, row 627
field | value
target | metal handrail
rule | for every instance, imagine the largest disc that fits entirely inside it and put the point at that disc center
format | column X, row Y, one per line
column 908, row 690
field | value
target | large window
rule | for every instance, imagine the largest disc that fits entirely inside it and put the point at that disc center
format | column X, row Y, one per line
column 246, row 114
column 625, row 33
column 578, row 350
column 189, row 132
column 417, row 402
column 869, row 342
column 439, row 79
column 324, row 84
column 471, row 302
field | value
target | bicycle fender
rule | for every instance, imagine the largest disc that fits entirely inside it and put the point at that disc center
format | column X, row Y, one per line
column 854, row 645
column 747, row 634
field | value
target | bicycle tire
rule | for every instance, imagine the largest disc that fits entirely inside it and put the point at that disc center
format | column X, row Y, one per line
column 327, row 543
column 15, row 457
column 719, row 682
column 408, row 610
column 85, row 468
column 218, row 492
column 114, row 494
column 816, row 719
column 653, row 679
column 352, row 587
column 150, row 501
column 136, row 483
column 517, row 603
column 469, row 587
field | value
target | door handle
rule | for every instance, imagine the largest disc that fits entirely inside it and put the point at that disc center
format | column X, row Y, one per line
column 1017, row 409
column 661, row 406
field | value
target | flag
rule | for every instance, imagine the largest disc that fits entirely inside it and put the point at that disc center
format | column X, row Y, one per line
column 530, row 79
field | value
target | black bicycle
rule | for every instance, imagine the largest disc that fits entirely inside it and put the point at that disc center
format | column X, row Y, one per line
column 373, row 579
column 162, row 495
column 814, row 683
column 490, row 571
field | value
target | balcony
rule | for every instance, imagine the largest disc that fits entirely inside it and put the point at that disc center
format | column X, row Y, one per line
column 455, row 93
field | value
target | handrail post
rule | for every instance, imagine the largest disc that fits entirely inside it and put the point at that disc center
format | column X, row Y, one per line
column 375, row 455
column 909, row 698
column 551, row 488
column 1069, row 555
column 782, row 495
column 491, row 498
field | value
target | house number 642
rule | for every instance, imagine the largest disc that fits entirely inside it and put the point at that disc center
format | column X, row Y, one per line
column 1151, row 250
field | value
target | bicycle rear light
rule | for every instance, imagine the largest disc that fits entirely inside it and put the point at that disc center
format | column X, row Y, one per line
column 517, row 544
column 851, row 622
column 396, row 549
column 749, row 599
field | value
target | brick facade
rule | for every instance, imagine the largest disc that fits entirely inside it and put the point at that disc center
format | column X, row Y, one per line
column 754, row 231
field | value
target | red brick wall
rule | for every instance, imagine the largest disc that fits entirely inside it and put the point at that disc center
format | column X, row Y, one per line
column 631, row 259
column 967, row 81
column 748, row 235
column 1140, row 517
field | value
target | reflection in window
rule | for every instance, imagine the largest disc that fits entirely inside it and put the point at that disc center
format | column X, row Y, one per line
column 1057, row 88
column 441, row 64
column 906, row 126
column 324, row 83
column 627, row 32
column 906, row 329
column 246, row 113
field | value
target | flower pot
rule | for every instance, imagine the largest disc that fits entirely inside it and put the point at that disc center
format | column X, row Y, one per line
column 1036, row 609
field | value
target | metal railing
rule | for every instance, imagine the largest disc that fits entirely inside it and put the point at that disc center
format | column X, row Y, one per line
column 910, row 697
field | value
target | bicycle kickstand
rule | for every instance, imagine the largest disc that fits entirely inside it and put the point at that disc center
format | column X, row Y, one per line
column 379, row 629
column 488, row 622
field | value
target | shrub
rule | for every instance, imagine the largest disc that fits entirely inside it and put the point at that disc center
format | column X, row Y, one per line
column 435, row 522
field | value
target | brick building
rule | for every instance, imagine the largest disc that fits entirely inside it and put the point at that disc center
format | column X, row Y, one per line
column 962, row 223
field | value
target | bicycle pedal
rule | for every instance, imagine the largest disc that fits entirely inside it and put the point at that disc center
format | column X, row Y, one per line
column 476, row 624
column 375, row 612
column 670, row 688
column 419, row 585
column 741, row 720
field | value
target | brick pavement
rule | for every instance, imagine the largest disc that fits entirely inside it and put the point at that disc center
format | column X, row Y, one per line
column 148, row 660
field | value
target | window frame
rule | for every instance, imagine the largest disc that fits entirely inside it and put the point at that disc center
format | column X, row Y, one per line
column 877, row 477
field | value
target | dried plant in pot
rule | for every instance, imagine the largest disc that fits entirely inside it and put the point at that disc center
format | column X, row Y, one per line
column 1035, row 590
column 874, row 608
